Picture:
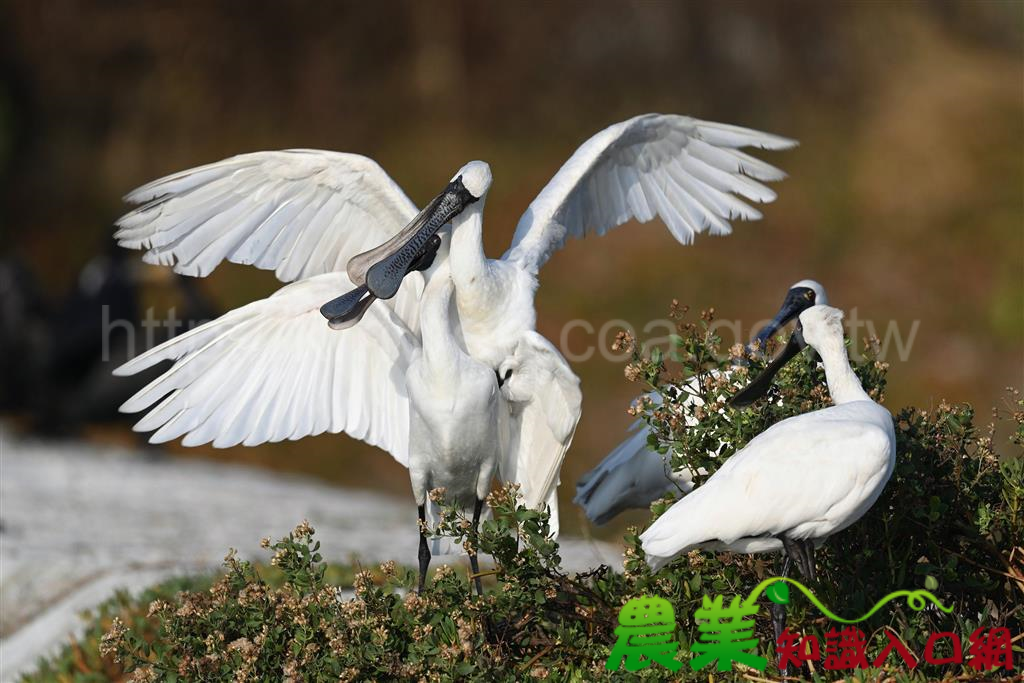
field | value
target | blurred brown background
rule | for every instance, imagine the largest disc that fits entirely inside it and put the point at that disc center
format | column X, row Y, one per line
column 905, row 198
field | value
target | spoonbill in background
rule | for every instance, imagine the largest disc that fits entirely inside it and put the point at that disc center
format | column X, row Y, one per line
column 271, row 371
column 798, row 482
column 634, row 476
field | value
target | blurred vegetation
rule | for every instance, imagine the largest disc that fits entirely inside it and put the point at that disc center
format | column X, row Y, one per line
column 905, row 198
column 950, row 521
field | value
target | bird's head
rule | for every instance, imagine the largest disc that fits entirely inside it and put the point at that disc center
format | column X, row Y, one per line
column 822, row 326
column 820, row 297
column 801, row 296
column 475, row 177
column 504, row 373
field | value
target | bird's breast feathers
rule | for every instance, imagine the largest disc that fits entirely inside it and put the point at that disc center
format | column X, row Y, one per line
column 492, row 326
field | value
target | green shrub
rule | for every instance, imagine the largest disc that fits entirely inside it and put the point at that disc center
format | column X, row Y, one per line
column 83, row 661
column 950, row 520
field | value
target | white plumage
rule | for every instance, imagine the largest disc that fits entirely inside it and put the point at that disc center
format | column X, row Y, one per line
column 457, row 429
column 683, row 170
column 271, row 370
column 803, row 479
column 300, row 212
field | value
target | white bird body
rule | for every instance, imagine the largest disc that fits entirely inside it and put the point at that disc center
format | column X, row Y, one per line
column 308, row 213
column 455, row 432
column 806, row 477
column 632, row 475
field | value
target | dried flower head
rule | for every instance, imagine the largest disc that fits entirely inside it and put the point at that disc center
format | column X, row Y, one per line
column 113, row 640
column 144, row 674
column 633, row 372
column 624, row 342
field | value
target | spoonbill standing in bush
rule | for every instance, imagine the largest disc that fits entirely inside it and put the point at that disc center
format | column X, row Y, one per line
column 273, row 370
column 455, row 420
column 798, row 482
column 634, row 476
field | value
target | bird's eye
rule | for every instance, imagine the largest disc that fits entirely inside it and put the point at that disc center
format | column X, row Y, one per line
column 809, row 295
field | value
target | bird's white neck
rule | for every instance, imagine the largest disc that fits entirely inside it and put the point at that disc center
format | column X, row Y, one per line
column 494, row 297
column 467, row 253
column 476, row 286
column 843, row 384
column 440, row 348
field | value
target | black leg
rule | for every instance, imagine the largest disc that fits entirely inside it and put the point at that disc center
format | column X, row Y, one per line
column 779, row 613
column 801, row 555
column 474, row 562
column 808, row 553
column 793, row 551
column 424, row 550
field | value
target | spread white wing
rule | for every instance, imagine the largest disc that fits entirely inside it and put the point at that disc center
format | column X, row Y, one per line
column 274, row 370
column 546, row 403
column 683, row 170
column 300, row 212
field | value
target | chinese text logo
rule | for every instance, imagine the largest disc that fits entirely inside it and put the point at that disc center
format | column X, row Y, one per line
column 647, row 625
column 647, row 628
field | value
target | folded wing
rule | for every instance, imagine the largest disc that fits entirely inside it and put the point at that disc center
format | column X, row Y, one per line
column 546, row 403
column 688, row 172
column 786, row 462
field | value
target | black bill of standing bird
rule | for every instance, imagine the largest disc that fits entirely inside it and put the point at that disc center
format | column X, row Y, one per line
column 799, row 297
column 763, row 382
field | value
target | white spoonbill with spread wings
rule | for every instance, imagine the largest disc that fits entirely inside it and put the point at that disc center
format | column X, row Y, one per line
column 634, row 476
column 273, row 370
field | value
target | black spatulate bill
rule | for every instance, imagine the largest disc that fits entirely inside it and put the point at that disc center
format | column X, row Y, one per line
column 760, row 385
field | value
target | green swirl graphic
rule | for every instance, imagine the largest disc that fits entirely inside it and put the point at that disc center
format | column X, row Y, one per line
column 916, row 600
